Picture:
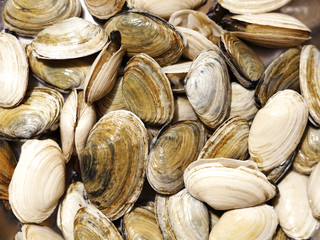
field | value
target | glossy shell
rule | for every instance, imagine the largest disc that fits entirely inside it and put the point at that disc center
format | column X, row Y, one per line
column 104, row 9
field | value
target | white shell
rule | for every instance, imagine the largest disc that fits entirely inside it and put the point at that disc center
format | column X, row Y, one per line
column 36, row 232
column 313, row 191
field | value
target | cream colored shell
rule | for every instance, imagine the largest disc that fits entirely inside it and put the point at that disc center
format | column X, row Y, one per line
column 37, row 232
column 313, row 191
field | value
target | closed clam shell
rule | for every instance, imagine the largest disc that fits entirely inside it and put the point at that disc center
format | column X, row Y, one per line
column 254, row 223
column 309, row 81
column 164, row 8
column 147, row 91
column 37, row 232
column 176, row 146
column 14, row 70
column 75, row 198
column 230, row 140
column 154, row 36
column 30, row 17
column 37, row 113
column 292, row 207
column 113, row 162
column 70, row 38
column 227, row 184
column 242, row 60
column 181, row 216
column 141, row 223
column 183, row 110
column 208, row 89
column 104, row 9
column 308, row 154
column 8, row 162
column 277, row 129
column 91, row 224
column 313, row 192
column 41, row 164
column 282, row 73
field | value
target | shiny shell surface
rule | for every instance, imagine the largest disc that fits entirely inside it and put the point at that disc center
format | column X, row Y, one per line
column 145, row 33
column 313, row 193
column 104, row 9
column 37, row 232
column 113, row 162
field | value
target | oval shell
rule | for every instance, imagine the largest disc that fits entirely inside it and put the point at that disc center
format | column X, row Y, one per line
column 37, row 232
column 313, row 193
column 104, row 9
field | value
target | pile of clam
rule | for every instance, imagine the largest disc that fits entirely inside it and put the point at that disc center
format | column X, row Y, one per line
column 168, row 119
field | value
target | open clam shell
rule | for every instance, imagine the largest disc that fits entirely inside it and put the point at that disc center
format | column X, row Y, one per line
column 37, row 232
column 41, row 164
column 113, row 162
column 70, row 38
column 14, row 70
column 227, row 184
column 104, row 9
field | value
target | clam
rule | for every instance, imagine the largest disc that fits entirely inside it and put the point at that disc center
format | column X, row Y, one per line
column 147, row 91
column 37, row 232
column 14, row 71
column 277, row 129
column 141, row 223
column 142, row 32
column 313, row 192
column 230, row 140
column 176, row 146
column 282, row 73
column 41, row 164
column 164, row 8
column 309, row 81
column 90, row 223
column 104, row 9
column 113, row 162
column 242, row 60
column 7, row 162
column 208, row 89
column 181, row 216
column 252, row 223
column 292, row 207
column 183, row 110
column 75, row 198
column 274, row 30
column 280, row 235
column 226, row 184
column 103, row 73
column 29, row 18
column 38, row 112
column 70, row 38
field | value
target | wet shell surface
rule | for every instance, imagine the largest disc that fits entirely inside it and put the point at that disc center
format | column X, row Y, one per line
column 30, row 17
column 145, row 33
column 181, row 216
column 37, row 232
column 277, row 129
column 208, row 88
column 254, row 223
column 113, row 162
column 14, row 70
column 176, row 146
column 70, row 38
column 147, row 91
column 38, row 112
column 90, row 223
column 313, row 193
column 104, row 9
column 41, row 164
column 310, row 81
column 292, row 207
column 227, row 184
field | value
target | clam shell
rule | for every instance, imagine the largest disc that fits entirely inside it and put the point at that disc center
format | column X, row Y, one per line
column 104, row 9
column 280, row 235
column 176, row 146
column 208, row 88
column 70, row 38
column 154, row 36
column 282, row 73
column 183, row 110
column 14, row 71
column 313, row 192
column 147, row 91
column 181, row 216
column 37, row 232
column 38, row 112
column 254, row 223
column 227, row 183
column 292, row 207
column 230, row 140
column 277, row 129
column 113, row 162
column 90, row 223
column 309, row 81
column 41, row 164
column 29, row 17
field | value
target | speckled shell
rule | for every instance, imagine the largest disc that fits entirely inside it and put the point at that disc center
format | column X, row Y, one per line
column 154, row 36
column 37, row 232
column 104, row 9
column 147, row 91
column 113, row 162
column 176, row 146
